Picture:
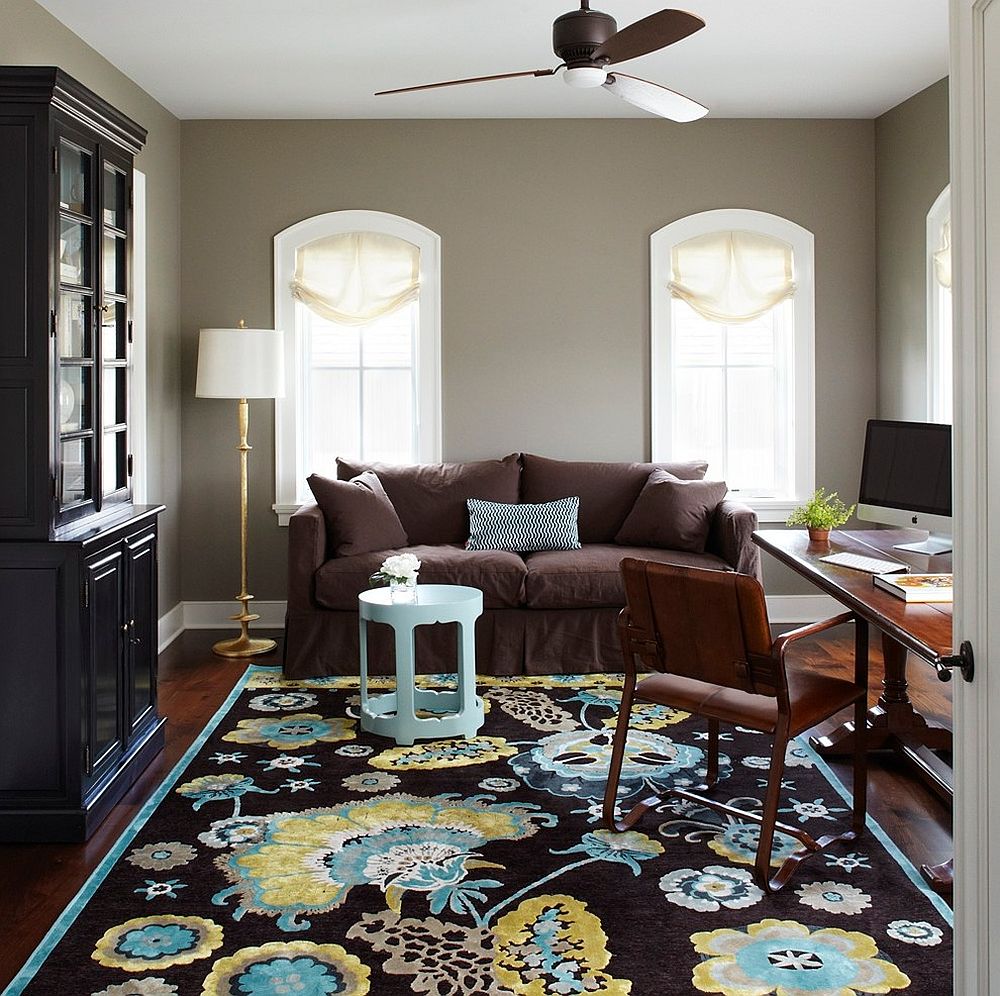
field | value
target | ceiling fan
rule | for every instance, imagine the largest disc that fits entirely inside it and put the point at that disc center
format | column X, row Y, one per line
column 588, row 42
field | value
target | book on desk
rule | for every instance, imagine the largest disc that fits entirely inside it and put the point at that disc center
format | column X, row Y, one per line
column 917, row 587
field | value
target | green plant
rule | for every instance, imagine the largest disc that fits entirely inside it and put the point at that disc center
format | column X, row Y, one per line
column 822, row 511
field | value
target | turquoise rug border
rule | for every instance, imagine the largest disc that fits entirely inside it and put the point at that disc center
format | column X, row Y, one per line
column 883, row 838
column 75, row 907
column 80, row 900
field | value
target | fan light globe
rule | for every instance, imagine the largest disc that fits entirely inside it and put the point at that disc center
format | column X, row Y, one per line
column 585, row 77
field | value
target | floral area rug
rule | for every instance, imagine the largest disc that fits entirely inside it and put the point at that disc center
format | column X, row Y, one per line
column 293, row 853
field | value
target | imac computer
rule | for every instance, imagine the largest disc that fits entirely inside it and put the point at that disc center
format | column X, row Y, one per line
column 906, row 480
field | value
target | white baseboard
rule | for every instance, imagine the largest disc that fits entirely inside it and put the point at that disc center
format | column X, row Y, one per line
column 781, row 609
column 170, row 627
column 215, row 615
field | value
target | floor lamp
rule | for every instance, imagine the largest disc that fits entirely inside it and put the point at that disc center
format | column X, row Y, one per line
column 241, row 363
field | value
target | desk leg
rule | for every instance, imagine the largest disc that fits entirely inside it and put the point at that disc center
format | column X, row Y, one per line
column 891, row 719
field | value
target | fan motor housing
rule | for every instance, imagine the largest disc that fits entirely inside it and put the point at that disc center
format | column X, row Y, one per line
column 577, row 34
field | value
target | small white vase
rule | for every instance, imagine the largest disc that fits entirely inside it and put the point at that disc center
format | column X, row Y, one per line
column 403, row 591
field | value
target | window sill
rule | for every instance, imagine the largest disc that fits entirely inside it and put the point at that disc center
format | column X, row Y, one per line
column 285, row 511
column 768, row 509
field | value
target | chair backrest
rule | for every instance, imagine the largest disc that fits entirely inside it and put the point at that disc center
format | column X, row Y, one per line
column 708, row 625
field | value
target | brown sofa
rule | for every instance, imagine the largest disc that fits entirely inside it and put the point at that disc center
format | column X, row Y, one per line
column 552, row 611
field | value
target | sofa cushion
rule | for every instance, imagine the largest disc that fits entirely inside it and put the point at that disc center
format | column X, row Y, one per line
column 607, row 491
column 523, row 527
column 591, row 578
column 497, row 573
column 430, row 498
column 359, row 516
column 672, row 514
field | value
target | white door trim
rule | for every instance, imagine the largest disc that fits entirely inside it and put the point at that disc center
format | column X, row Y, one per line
column 975, row 153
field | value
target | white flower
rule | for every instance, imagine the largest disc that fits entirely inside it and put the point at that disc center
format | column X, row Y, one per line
column 401, row 566
column 833, row 898
column 915, row 932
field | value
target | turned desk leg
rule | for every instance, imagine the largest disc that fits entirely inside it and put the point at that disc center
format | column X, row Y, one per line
column 892, row 718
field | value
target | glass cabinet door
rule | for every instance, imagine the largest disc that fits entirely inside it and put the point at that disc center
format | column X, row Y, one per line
column 92, row 330
column 76, row 356
column 115, row 336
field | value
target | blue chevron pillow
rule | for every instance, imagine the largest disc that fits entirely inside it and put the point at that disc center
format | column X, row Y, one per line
column 522, row 528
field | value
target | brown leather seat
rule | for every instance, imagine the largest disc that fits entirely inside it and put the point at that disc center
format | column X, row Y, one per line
column 706, row 638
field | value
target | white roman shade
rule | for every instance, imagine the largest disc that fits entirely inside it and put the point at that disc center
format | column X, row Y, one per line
column 942, row 256
column 733, row 276
column 355, row 277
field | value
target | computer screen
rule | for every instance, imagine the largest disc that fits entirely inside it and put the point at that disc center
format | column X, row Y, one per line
column 906, row 476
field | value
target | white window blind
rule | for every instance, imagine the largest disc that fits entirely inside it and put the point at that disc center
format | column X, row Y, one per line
column 732, row 353
column 358, row 294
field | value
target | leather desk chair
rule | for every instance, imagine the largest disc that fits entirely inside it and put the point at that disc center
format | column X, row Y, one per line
column 705, row 637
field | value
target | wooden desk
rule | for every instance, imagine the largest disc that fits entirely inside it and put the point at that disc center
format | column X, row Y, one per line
column 923, row 629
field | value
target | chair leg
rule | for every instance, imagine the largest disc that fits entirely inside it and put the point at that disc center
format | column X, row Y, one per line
column 618, row 753
column 762, row 862
column 860, row 785
column 712, row 775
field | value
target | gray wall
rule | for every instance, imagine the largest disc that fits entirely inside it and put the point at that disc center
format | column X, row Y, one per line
column 29, row 35
column 545, row 231
column 911, row 169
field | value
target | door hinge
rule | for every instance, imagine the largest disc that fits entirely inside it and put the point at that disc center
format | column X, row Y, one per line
column 963, row 661
column 129, row 464
column 55, row 158
column 130, row 195
column 86, row 758
column 55, row 486
column 85, row 594
column 130, row 330
column 52, row 324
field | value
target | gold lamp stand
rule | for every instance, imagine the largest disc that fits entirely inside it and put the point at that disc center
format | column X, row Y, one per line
column 244, row 645
column 241, row 363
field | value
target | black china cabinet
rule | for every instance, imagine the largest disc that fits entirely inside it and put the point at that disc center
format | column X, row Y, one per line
column 78, row 590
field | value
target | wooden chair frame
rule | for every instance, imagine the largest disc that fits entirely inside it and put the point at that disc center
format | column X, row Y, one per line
column 638, row 643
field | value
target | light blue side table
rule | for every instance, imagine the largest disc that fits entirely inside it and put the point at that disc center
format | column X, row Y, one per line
column 394, row 714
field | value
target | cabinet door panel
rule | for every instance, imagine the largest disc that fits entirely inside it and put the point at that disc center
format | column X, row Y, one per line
column 107, row 597
column 142, row 630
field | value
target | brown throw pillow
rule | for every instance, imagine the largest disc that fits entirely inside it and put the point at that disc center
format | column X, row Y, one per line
column 672, row 514
column 359, row 516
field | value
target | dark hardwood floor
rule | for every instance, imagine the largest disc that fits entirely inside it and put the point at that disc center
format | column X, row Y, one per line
column 38, row 880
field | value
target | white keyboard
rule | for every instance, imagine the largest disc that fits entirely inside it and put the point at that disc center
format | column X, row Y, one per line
column 871, row 565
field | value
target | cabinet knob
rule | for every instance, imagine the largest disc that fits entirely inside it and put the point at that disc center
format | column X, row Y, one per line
column 134, row 640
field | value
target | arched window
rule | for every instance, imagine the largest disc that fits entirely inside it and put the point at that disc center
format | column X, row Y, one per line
column 357, row 294
column 939, row 343
column 732, row 353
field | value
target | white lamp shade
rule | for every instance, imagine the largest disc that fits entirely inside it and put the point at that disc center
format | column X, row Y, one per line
column 240, row 363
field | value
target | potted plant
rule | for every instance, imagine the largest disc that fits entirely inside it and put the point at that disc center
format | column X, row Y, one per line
column 820, row 514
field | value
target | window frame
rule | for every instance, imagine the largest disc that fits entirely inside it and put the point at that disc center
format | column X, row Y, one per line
column 939, row 212
column 803, row 387
column 291, row 490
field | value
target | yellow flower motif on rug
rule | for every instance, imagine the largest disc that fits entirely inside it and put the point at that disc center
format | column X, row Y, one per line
column 148, row 942
column 292, row 732
column 444, row 754
column 552, row 944
column 787, row 958
column 308, row 862
column 289, row 967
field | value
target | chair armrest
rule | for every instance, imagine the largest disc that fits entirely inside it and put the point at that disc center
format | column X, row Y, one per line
column 780, row 645
column 306, row 553
column 731, row 537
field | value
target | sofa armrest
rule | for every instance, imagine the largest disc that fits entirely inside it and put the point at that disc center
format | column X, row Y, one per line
column 306, row 553
column 731, row 537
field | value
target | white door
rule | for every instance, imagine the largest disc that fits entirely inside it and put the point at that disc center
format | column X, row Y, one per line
column 975, row 174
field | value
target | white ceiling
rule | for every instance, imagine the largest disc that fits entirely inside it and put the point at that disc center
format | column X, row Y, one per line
column 325, row 58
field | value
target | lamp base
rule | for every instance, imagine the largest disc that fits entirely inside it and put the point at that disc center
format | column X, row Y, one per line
column 243, row 646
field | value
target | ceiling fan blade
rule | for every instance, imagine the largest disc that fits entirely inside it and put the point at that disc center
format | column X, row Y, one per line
column 473, row 79
column 648, row 35
column 654, row 98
